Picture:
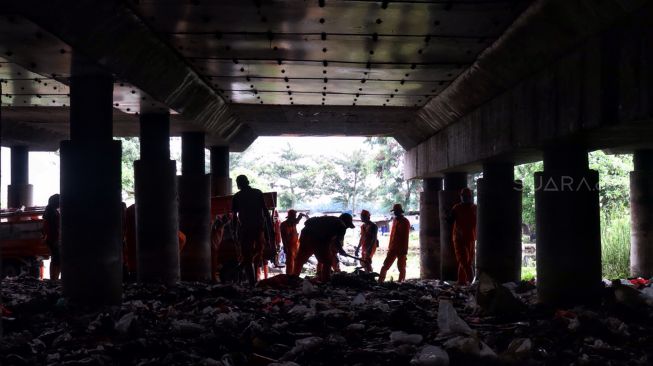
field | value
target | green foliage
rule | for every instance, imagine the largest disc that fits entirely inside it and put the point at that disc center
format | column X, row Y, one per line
column 131, row 151
column 345, row 179
column 614, row 179
column 388, row 166
column 615, row 245
column 528, row 273
column 292, row 176
column 525, row 173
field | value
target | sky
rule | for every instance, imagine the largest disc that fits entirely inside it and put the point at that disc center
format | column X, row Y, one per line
column 44, row 166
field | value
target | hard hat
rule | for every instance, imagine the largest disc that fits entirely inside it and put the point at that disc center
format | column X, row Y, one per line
column 397, row 207
column 292, row 214
column 365, row 213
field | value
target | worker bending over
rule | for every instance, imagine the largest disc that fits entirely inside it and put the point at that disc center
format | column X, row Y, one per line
column 368, row 240
column 322, row 236
column 463, row 218
column 398, row 245
column 290, row 238
column 248, row 209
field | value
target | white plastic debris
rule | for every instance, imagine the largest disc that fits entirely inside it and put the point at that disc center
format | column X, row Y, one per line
column 358, row 300
column 227, row 320
column 299, row 310
column 448, row 320
column 405, row 338
column 430, row 356
column 520, row 347
column 125, row 323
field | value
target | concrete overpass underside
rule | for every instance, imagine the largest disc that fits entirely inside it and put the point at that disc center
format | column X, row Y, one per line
column 463, row 86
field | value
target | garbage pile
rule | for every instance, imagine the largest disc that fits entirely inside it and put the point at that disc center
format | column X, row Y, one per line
column 350, row 321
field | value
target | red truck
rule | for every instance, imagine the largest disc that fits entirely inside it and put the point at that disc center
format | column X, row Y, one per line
column 22, row 248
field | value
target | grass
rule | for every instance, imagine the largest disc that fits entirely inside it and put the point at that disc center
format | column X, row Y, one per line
column 615, row 246
column 528, row 273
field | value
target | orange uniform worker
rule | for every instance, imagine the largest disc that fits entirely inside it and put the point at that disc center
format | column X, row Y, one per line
column 463, row 217
column 51, row 234
column 248, row 209
column 290, row 238
column 398, row 245
column 322, row 236
column 368, row 240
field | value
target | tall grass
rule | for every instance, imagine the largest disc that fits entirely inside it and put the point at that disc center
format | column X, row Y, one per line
column 615, row 245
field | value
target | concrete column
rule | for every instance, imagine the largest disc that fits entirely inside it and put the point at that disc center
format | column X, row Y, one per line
column 20, row 192
column 194, row 209
column 498, row 234
column 220, row 181
column 429, row 229
column 453, row 183
column 641, row 215
column 157, row 220
column 568, row 228
column 91, row 233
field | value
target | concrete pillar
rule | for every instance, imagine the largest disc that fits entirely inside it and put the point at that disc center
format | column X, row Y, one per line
column 498, row 234
column 568, row 228
column 91, row 233
column 641, row 215
column 157, row 220
column 453, row 183
column 429, row 229
column 20, row 192
column 194, row 209
column 220, row 181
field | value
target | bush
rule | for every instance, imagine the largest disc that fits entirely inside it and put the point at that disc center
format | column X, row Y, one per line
column 615, row 245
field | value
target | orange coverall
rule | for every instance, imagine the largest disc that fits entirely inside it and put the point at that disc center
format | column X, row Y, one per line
column 290, row 240
column 397, row 248
column 464, row 236
column 323, row 237
column 367, row 254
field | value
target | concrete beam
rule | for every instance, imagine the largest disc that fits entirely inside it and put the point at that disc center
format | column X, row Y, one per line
column 544, row 32
column 599, row 95
column 111, row 33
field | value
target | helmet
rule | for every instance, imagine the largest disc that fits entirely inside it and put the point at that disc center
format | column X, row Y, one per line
column 348, row 220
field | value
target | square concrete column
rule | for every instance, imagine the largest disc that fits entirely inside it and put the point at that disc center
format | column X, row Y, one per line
column 157, row 220
column 641, row 215
column 429, row 229
column 91, row 233
column 220, row 181
column 20, row 192
column 453, row 183
column 194, row 209
column 568, row 228
column 498, row 233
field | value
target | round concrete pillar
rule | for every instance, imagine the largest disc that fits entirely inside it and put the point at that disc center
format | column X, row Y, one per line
column 194, row 209
column 498, row 234
column 429, row 229
column 91, row 235
column 568, row 229
column 641, row 215
column 20, row 192
column 157, row 220
column 220, row 181
column 447, row 198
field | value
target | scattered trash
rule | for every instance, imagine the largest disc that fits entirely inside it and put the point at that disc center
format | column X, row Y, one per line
column 351, row 320
column 430, row 356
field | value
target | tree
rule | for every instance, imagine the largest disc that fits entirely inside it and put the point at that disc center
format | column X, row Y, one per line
column 131, row 151
column 292, row 175
column 345, row 179
column 388, row 165
column 525, row 173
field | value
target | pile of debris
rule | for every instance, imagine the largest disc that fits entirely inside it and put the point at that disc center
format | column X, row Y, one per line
column 350, row 321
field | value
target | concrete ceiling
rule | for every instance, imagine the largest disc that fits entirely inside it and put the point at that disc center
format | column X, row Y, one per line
column 240, row 69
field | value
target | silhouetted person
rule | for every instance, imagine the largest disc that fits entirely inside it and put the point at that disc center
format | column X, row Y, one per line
column 398, row 245
column 248, row 208
column 322, row 236
column 51, row 233
column 463, row 218
column 368, row 241
column 290, row 238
